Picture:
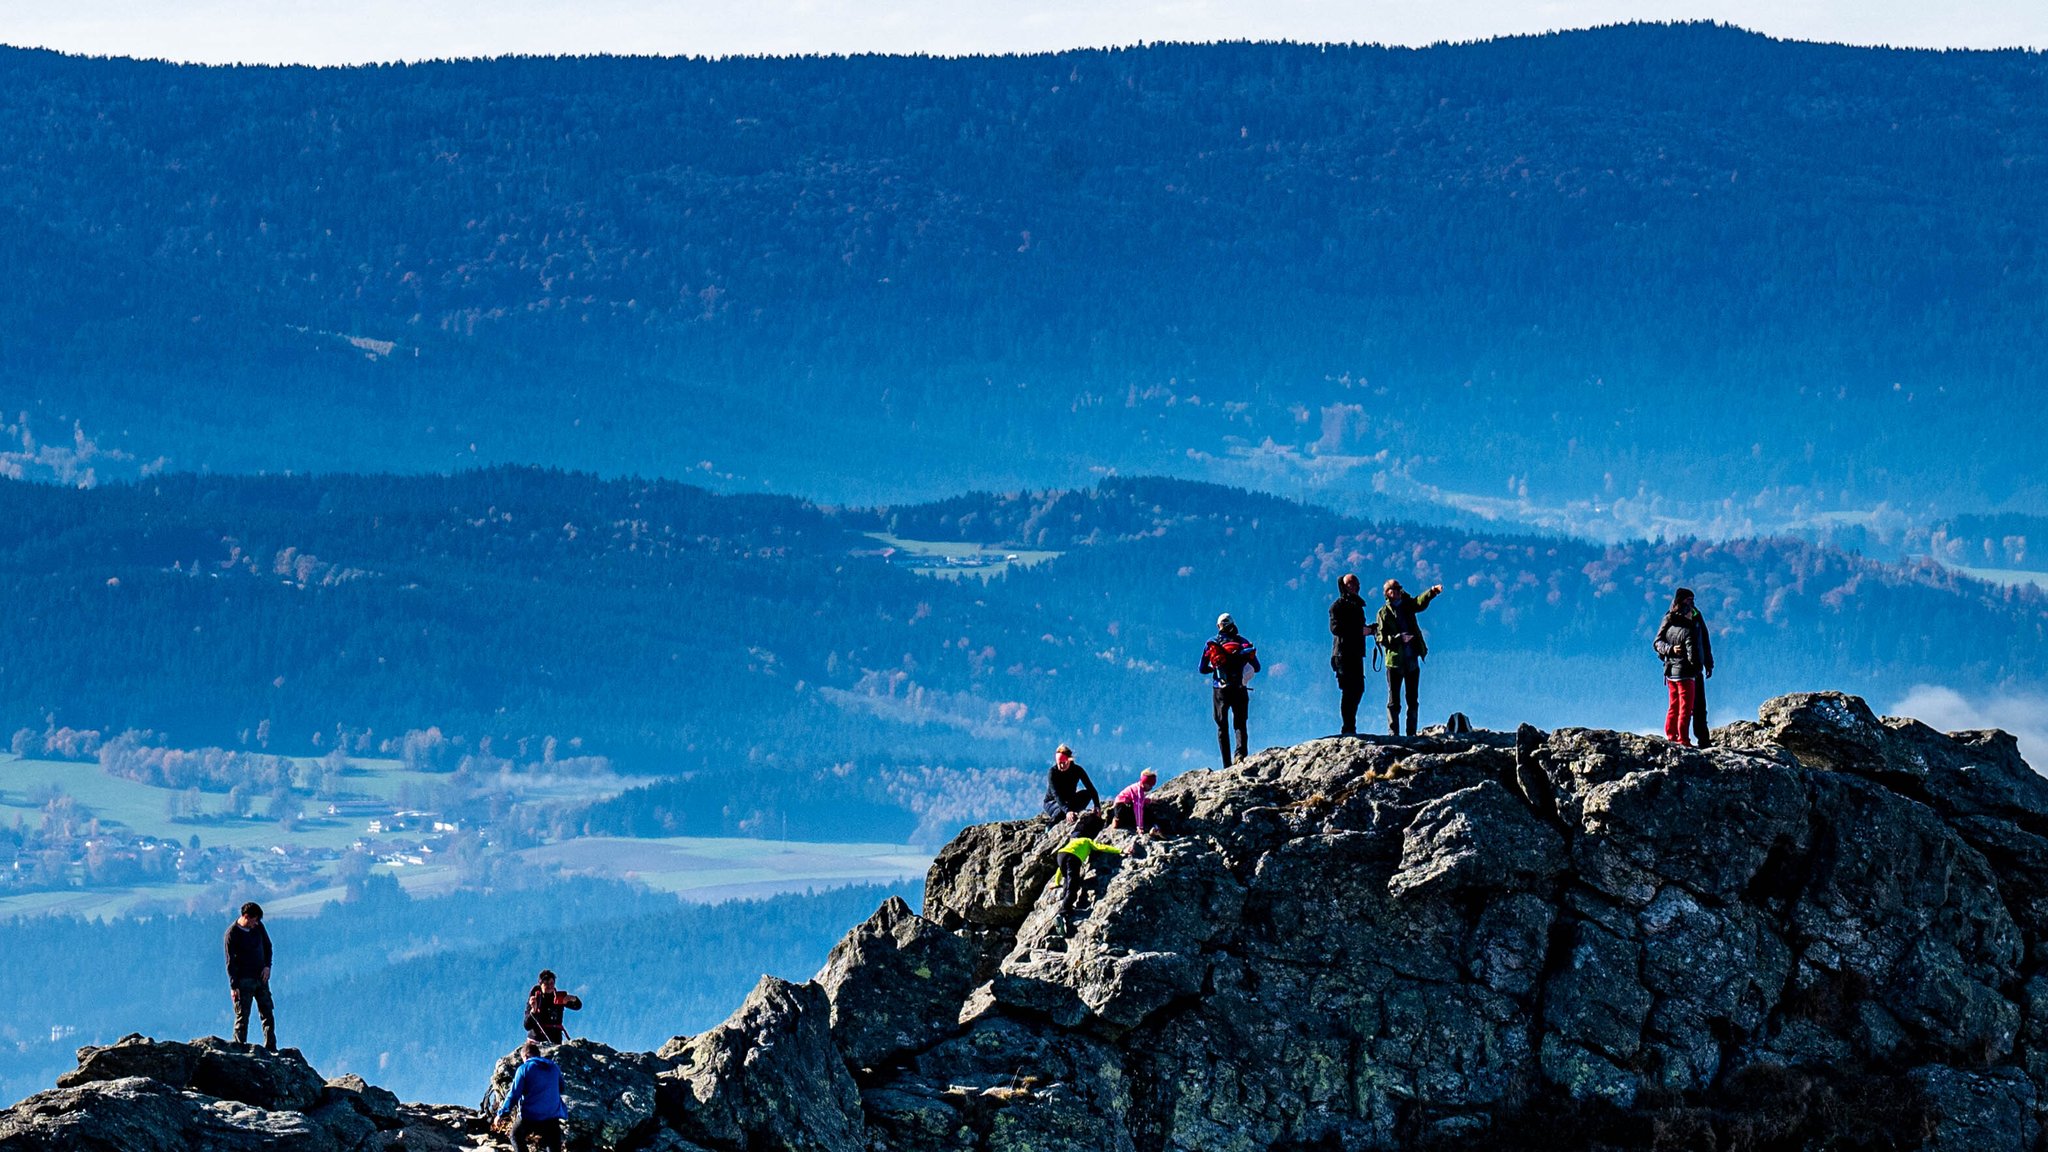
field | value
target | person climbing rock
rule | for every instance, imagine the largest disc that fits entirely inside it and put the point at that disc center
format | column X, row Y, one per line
column 1070, row 795
column 248, row 951
column 1350, row 636
column 1680, row 643
column 1128, row 809
column 1225, row 659
column 544, row 1006
column 1070, row 858
column 1400, row 637
column 536, row 1092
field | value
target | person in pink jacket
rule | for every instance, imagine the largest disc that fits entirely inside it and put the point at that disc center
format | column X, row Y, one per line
column 1128, row 811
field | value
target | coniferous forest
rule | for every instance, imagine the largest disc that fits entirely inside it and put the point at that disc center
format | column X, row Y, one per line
column 673, row 630
column 1636, row 278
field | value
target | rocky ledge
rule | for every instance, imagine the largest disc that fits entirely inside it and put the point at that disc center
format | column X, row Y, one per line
column 1828, row 931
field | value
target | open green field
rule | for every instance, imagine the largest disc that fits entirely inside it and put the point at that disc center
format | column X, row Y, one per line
column 144, row 808
column 698, row 868
column 941, row 558
column 2006, row 577
column 708, row 868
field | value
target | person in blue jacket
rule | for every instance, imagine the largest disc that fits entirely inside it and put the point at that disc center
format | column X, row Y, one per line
column 537, row 1092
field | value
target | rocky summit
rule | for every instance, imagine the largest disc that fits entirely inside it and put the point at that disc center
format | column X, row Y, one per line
column 1828, row 931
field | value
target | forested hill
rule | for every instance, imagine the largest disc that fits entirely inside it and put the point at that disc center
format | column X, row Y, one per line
column 673, row 630
column 1603, row 277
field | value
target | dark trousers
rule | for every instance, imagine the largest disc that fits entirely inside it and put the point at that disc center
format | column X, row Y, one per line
column 1351, row 686
column 1070, row 881
column 1157, row 818
column 1410, row 676
column 1699, row 711
column 249, row 990
column 1231, row 706
column 541, row 1133
column 1055, row 810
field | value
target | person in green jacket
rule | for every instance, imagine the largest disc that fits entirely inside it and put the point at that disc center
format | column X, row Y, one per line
column 1401, row 638
column 1070, row 858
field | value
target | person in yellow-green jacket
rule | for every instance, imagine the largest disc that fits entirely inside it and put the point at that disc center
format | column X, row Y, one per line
column 1401, row 638
column 1070, row 858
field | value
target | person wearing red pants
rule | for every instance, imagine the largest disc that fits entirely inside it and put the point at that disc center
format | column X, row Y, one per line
column 1677, row 644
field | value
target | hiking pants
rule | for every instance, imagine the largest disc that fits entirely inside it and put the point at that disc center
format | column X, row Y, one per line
column 1070, row 881
column 1156, row 817
column 1678, row 715
column 545, row 1134
column 1231, row 705
column 248, row 989
column 1053, row 809
column 1410, row 677
column 1699, row 712
column 1351, row 684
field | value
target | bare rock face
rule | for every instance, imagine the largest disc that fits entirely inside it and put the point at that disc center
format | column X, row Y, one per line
column 1829, row 931
column 895, row 985
column 770, row 1076
column 609, row 1095
column 137, row 1114
column 222, row 1069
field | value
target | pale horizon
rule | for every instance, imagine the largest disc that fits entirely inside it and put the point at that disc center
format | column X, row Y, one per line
column 331, row 32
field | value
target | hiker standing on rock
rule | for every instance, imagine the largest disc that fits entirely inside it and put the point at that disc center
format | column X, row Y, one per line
column 544, row 1007
column 1349, row 637
column 1706, row 653
column 1225, row 659
column 537, row 1092
column 1681, row 642
column 248, row 951
column 1401, row 639
column 1069, row 793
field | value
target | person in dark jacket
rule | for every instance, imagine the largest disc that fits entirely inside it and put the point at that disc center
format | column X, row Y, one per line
column 1705, row 645
column 1069, row 793
column 248, row 951
column 1225, row 659
column 1400, row 637
column 1349, row 640
column 1681, row 642
column 544, row 1007
column 536, row 1092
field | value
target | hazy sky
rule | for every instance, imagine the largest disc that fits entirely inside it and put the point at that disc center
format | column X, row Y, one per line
column 334, row 31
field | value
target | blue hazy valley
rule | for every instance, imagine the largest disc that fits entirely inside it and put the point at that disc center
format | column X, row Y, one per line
column 622, row 478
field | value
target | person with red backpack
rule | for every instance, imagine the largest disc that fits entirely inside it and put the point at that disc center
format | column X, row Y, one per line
column 1225, row 660
column 544, row 1006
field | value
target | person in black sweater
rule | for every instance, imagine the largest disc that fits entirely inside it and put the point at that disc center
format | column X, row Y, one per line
column 1349, row 641
column 1069, row 793
column 248, row 951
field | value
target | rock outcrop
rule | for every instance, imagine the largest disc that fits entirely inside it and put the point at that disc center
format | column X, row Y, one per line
column 1830, row 930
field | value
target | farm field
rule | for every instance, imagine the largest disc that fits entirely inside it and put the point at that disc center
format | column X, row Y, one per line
column 702, row 869
column 708, row 869
column 954, row 559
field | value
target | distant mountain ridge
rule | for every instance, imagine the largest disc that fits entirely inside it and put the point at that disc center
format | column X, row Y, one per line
column 673, row 629
column 1640, row 278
